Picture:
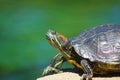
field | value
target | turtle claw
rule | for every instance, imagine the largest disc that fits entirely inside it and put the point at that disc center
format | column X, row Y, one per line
column 50, row 70
column 86, row 77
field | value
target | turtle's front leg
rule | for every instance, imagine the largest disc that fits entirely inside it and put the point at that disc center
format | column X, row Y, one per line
column 55, row 65
column 87, row 69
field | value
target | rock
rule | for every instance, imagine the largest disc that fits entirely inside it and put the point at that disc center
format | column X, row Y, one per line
column 73, row 76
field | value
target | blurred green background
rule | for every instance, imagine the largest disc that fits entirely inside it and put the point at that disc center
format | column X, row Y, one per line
column 24, row 51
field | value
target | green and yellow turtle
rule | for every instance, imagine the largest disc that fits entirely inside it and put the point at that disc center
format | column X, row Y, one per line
column 95, row 51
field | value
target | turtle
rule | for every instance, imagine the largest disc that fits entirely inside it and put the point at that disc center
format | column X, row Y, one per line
column 95, row 51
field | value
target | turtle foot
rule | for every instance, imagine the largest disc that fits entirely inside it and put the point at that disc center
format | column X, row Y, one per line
column 50, row 70
column 86, row 77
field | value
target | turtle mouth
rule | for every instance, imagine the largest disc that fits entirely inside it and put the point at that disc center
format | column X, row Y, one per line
column 51, row 37
column 50, row 34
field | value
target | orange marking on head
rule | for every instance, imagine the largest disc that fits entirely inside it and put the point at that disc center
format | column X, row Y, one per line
column 64, row 38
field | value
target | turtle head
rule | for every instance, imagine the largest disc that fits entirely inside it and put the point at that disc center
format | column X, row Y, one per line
column 56, row 39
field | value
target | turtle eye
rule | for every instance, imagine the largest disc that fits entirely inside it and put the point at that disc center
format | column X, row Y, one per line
column 53, row 32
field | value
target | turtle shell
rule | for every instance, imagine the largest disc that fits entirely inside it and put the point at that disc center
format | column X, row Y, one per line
column 100, row 43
